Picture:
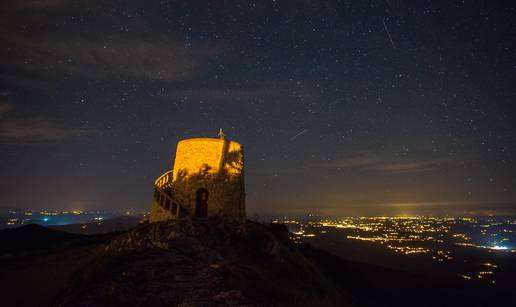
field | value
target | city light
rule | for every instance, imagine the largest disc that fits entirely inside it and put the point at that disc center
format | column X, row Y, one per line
column 55, row 218
column 441, row 239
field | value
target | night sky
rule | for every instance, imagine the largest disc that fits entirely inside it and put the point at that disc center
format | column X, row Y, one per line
column 344, row 107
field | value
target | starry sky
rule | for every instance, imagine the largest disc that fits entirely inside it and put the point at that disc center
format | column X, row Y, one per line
column 344, row 107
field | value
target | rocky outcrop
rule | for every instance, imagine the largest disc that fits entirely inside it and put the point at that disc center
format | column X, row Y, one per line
column 202, row 262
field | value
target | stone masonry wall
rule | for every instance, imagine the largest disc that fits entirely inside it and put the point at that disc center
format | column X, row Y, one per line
column 216, row 165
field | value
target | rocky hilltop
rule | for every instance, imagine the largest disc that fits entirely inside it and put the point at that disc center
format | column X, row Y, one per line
column 207, row 262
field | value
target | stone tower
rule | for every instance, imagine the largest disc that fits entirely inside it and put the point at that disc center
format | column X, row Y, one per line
column 207, row 180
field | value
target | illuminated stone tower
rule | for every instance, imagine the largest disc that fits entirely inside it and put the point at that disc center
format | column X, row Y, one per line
column 207, row 180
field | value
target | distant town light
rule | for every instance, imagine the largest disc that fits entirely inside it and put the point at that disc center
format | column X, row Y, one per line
column 499, row 247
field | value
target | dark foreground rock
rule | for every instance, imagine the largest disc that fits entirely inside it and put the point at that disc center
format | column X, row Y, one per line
column 207, row 262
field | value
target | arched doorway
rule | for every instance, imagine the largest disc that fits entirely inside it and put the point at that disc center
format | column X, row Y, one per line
column 201, row 203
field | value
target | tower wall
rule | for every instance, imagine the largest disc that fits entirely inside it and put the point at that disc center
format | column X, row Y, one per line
column 215, row 165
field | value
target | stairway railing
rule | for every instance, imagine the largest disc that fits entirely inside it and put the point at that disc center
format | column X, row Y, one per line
column 162, row 198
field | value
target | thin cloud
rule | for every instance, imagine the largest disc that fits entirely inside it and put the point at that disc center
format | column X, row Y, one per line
column 113, row 44
column 4, row 107
column 234, row 94
column 270, row 91
column 139, row 58
column 214, row 94
column 34, row 129
column 36, row 4
column 380, row 162
column 356, row 161
column 415, row 166
column 387, row 163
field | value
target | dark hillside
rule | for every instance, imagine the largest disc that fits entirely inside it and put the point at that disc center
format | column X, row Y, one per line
column 31, row 237
column 203, row 263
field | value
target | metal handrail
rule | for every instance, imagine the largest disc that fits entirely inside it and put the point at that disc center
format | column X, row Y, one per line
column 165, row 179
column 164, row 200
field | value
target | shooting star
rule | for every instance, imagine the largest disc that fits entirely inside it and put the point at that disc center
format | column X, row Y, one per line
column 388, row 34
column 299, row 134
